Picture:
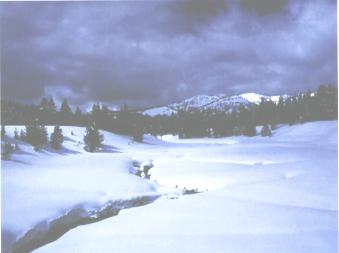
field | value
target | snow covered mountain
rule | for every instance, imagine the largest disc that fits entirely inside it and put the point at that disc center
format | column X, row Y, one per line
column 215, row 102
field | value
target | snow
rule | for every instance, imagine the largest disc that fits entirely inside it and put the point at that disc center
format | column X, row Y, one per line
column 275, row 99
column 254, row 97
column 39, row 187
column 218, row 102
column 259, row 194
column 164, row 110
column 195, row 102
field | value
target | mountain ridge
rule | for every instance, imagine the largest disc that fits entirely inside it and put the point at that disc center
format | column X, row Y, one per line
column 213, row 102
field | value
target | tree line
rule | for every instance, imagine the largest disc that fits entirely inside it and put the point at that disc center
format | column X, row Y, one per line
column 303, row 107
column 37, row 136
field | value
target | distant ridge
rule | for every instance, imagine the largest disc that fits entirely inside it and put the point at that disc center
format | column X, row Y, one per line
column 214, row 102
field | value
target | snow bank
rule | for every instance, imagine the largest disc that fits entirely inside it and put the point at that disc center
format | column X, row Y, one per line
column 40, row 187
column 275, row 194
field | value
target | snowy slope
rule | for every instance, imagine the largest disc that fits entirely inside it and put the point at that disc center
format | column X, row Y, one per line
column 159, row 111
column 40, row 187
column 254, row 97
column 195, row 102
column 275, row 194
column 218, row 102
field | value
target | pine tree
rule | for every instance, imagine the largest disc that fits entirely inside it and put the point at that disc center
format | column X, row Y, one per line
column 6, row 150
column 78, row 112
column 57, row 138
column 51, row 105
column 250, row 130
column 78, row 117
column 266, row 131
column 46, row 112
column 65, row 113
column 95, row 109
column 36, row 135
column 16, row 134
column 22, row 135
column 125, row 108
column 93, row 138
column 44, row 105
column 138, row 134
column 3, row 132
column 65, row 109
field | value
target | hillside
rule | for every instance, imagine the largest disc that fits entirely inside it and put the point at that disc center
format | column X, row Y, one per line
column 259, row 190
column 218, row 103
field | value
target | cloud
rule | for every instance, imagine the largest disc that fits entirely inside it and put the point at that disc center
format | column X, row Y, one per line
column 147, row 53
column 264, row 7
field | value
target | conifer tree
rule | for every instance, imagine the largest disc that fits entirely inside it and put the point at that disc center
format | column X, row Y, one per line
column 43, row 106
column 57, row 138
column 93, row 138
column 16, row 134
column 65, row 109
column 3, row 131
column 250, row 130
column 138, row 134
column 78, row 112
column 22, row 135
column 65, row 113
column 79, row 119
column 266, row 131
column 6, row 150
column 36, row 135
column 51, row 105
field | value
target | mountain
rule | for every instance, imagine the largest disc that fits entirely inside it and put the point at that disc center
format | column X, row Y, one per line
column 215, row 102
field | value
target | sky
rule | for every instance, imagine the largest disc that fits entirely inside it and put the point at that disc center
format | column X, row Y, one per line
column 149, row 53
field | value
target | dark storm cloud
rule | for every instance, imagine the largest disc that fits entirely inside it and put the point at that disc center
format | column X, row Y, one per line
column 264, row 7
column 147, row 53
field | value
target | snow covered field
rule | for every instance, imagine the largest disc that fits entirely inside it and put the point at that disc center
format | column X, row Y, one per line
column 259, row 194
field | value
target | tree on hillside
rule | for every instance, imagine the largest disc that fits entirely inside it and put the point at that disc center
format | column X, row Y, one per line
column 43, row 104
column 266, row 131
column 93, row 139
column 78, row 112
column 57, row 138
column 95, row 109
column 46, row 111
column 16, row 134
column 36, row 135
column 6, row 150
column 65, row 109
column 51, row 105
column 3, row 131
column 249, row 130
column 246, row 121
column 138, row 134
column 280, row 110
column 65, row 113
column 22, row 135
column 79, row 119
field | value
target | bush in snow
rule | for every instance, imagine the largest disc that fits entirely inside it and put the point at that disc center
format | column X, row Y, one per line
column 144, row 170
column 266, row 131
column 6, row 150
column 57, row 138
column 93, row 138
column 36, row 135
